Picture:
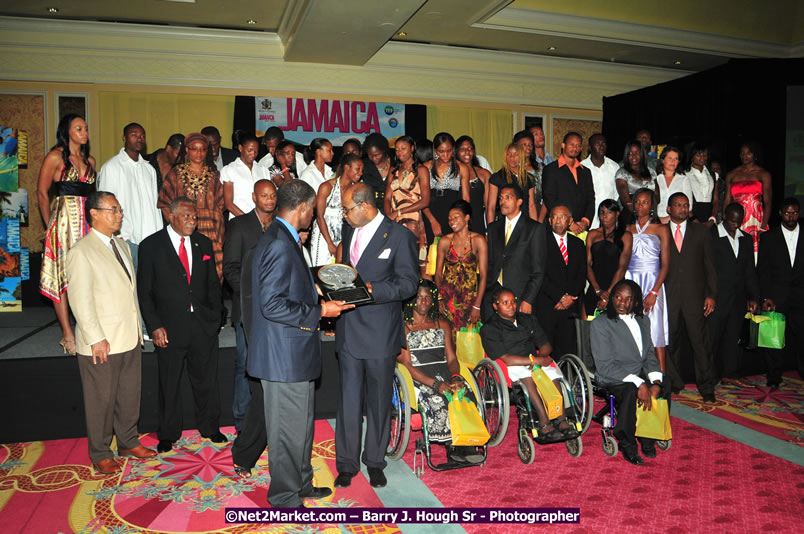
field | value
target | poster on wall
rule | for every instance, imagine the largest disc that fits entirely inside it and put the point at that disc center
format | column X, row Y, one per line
column 304, row 119
column 10, row 266
column 9, row 157
column 14, row 205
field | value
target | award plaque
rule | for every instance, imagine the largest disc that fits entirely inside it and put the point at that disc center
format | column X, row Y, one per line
column 341, row 282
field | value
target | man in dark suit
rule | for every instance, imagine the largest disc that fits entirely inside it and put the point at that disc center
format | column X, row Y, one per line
column 284, row 349
column 564, row 277
column 568, row 183
column 781, row 282
column 626, row 365
column 242, row 234
column 737, row 290
column 221, row 156
column 691, row 278
column 370, row 337
column 180, row 300
column 516, row 254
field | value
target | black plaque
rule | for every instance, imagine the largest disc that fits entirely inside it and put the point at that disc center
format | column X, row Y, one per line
column 342, row 282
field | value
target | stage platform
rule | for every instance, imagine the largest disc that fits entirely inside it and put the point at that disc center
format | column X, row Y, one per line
column 43, row 398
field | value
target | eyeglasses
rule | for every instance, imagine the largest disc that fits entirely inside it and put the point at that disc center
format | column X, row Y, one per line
column 114, row 210
column 347, row 211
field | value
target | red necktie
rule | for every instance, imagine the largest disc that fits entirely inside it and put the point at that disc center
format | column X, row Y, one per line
column 678, row 237
column 563, row 249
column 183, row 259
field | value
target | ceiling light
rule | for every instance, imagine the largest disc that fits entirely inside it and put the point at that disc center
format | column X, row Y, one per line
column 677, row 62
column 53, row 10
column 251, row 21
column 551, row 48
column 402, row 34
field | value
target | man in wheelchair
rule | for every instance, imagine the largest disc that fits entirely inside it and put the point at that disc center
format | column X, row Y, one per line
column 517, row 340
column 624, row 358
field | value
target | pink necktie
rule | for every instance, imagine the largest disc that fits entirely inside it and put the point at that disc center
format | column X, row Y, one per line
column 354, row 254
column 563, row 249
column 678, row 237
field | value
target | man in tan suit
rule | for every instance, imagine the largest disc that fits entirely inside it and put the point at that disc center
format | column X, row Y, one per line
column 103, row 297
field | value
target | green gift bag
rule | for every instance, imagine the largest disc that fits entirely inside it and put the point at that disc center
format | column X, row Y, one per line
column 766, row 330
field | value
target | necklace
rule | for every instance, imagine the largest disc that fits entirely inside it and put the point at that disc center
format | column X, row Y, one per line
column 195, row 186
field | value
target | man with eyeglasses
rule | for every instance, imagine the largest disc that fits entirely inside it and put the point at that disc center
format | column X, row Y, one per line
column 781, row 284
column 103, row 298
column 132, row 179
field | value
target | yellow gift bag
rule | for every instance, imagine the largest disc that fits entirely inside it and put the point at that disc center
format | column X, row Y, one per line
column 655, row 423
column 552, row 398
column 465, row 423
column 432, row 255
column 468, row 345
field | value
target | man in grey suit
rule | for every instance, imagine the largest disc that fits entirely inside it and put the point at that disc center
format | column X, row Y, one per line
column 625, row 358
column 284, row 348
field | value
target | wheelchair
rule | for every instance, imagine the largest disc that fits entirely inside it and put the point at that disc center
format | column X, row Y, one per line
column 606, row 416
column 498, row 394
column 406, row 417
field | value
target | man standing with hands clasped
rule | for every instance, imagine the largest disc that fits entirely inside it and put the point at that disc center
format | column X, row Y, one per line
column 284, row 347
column 103, row 297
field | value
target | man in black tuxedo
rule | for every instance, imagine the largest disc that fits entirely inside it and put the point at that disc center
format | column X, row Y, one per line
column 242, row 234
column 781, row 282
column 220, row 156
column 557, row 304
column 516, row 254
column 568, row 183
column 691, row 277
column 180, row 300
column 370, row 337
column 284, row 349
column 737, row 290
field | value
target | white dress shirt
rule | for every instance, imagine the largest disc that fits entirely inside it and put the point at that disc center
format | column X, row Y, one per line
column 636, row 333
column 702, row 184
column 243, row 180
column 367, row 232
column 733, row 241
column 134, row 185
column 313, row 176
column 791, row 239
column 673, row 231
column 558, row 239
column 680, row 184
column 603, row 182
column 268, row 160
column 175, row 239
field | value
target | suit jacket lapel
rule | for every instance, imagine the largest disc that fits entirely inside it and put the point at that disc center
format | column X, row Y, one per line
column 171, row 252
column 377, row 241
column 799, row 248
column 625, row 331
column 515, row 234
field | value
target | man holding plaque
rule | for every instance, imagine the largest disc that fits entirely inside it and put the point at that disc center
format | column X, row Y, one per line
column 284, row 347
column 370, row 337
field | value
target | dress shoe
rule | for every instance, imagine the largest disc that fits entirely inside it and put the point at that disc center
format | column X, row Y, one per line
column 344, row 480
column 316, row 493
column 137, row 452
column 377, row 478
column 164, row 445
column 709, row 398
column 217, row 437
column 648, row 451
column 107, row 467
column 735, row 382
column 633, row 458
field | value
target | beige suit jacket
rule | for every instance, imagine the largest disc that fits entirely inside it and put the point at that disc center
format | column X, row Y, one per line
column 102, row 298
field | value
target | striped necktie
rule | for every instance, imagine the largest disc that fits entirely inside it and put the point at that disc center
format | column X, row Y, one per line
column 563, row 248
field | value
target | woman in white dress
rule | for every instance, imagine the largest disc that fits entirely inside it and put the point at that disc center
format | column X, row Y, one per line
column 318, row 154
column 326, row 234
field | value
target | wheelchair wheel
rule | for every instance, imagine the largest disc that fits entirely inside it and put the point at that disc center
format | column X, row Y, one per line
column 580, row 382
column 494, row 392
column 400, row 418
column 574, row 447
column 610, row 446
column 664, row 444
column 525, row 447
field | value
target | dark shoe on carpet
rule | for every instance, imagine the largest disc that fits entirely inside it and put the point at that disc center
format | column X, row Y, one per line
column 217, row 437
column 242, row 472
column 633, row 458
column 107, row 467
column 648, row 451
column 316, row 493
column 465, row 454
column 676, row 391
column 137, row 452
column 165, row 445
column 709, row 398
column 377, row 478
column 344, row 480
column 552, row 436
column 736, row 382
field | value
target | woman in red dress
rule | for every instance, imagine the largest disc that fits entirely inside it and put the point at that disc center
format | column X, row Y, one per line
column 750, row 185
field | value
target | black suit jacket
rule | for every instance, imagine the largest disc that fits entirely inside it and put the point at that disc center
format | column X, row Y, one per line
column 375, row 331
column 164, row 294
column 691, row 276
column 521, row 260
column 560, row 277
column 371, row 176
column 736, row 277
column 779, row 281
column 228, row 155
column 242, row 234
column 559, row 188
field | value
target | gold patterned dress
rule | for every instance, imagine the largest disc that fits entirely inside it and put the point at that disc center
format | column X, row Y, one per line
column 66, row 226
column 206, row 191
column 459, row 286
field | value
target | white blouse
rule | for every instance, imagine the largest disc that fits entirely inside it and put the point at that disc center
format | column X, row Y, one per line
column 680, row 184
column 243, row 181
column 702, row 184
column 313, row 176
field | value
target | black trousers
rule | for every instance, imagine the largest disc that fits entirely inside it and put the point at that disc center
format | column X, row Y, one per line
column 202, row 369
column 625, row 397
column 724, row 330
column 690, row 317
column 560, row 328
column 793, row 344
column 251, row 440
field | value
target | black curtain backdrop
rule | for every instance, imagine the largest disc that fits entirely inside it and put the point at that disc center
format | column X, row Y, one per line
column 745, row 99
